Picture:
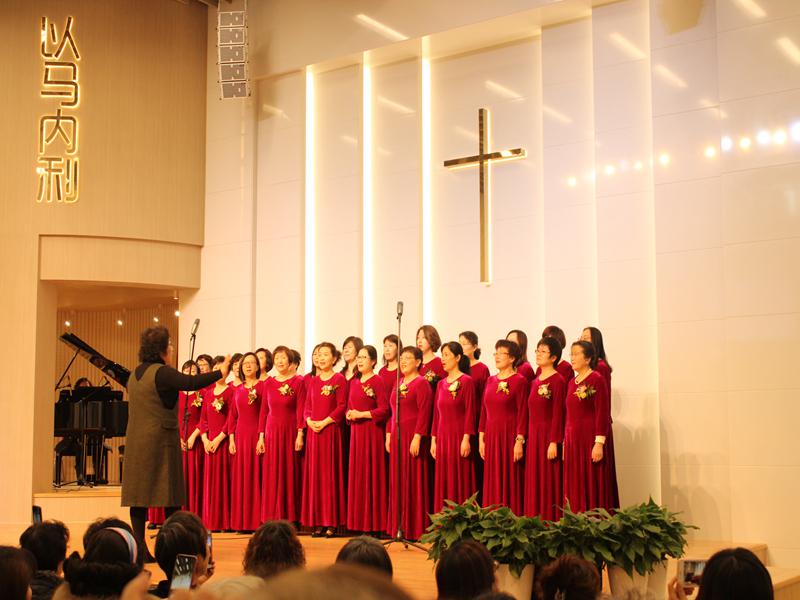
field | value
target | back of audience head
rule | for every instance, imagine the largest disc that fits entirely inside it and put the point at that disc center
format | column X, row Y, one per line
column 464, row 571
column 16, row 571
column 243, row 587
column 105, row 523
column 48, row 543
column 108, row 564
column 368, row 552
column 735, row 574
column 337, row 582
column 495, row 596
column 569, row 577
column 182, row 533
column 273, row 548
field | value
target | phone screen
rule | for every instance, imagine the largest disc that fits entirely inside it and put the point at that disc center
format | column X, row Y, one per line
column 37, row 514
column 690, row 572
column 183, row 571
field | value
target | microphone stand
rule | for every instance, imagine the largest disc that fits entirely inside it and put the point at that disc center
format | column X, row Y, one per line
column 192, row 338
column 399, row 537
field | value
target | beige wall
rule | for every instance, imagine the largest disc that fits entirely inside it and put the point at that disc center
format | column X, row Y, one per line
column 142, row 130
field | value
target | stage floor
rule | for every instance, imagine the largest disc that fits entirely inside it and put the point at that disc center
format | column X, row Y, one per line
column 412, row 569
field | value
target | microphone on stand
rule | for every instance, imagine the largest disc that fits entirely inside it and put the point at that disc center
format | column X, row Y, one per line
column 195, row 325
column 399, row 308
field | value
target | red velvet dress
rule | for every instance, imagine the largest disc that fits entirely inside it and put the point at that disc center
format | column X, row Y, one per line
column 216, row 489
column 454, row 416
column 589, row 485
column 413, row 477
column 544, row 414
column 155, row 514
column 194, row 459
column 323, row 501
column 367, row 486
column 389, row 379
column 246, row 465
column 605, row 371
column 526, row 370
column 480, row 374
column 282, row 408
column 432, row 369
column 564, row 368
column 501, row 422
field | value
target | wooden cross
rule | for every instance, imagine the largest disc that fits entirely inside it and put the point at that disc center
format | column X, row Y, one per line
column 483, row 159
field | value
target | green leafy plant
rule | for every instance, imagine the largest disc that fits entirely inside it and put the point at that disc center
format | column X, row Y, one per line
column 588, row 535
column 646, row 535
column 508, row 538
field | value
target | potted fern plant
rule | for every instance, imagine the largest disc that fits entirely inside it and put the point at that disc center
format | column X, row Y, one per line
column 511, row 540
column 646, row 535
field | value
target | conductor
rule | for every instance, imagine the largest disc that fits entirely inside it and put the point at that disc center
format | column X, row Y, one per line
column 153, row 472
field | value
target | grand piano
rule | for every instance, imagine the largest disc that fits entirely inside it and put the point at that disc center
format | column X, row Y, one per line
column 86, row 416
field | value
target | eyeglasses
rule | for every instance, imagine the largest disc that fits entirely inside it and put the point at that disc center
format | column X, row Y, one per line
column 501, row 354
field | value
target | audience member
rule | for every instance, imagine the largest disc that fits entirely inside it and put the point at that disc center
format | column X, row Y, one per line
column 48, row 543
column 182, row 533
column 464, row 571
column 16, row 570
column 495, row 596
column 105, row 523
column 273, row 548
column 569, row 577
column 108, row 564
column 245, row 587
column 731, row 574
column 368, row 552
column 337, row 582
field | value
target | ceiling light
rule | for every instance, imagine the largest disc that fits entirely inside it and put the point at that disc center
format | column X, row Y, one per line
column 67, row 324
column 779, row 137
column 664, row 159
column 763, row 137
column 710, row 152
column 745, row 143
column 119, row 322
column 726, row 143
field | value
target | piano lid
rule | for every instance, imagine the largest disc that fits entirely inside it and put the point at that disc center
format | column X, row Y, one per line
column 116, row 372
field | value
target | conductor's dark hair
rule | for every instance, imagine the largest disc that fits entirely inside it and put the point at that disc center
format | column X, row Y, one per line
column 105, row 523
column 597, row 342
column 181, row 533
column 273, row 548
column 457, row 350
column 569, row 577
column 17, row 567
column 268, row 360
column 47, row 542
column 240, row 373
column 393, row 339
column 429, row 333
column 522, row 341
column 189, row 364
column 589, row 352
column 368, row 552
column 511, row 347
column 553, row 331
column 553, row 346
column 415, row 352
column 153, row 343
column 735, row 574
column 472, row 338
column 464, row 571
column 205, row 358
column 105, row 568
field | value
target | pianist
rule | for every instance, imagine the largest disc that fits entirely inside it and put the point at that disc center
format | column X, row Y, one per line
column 153, row 472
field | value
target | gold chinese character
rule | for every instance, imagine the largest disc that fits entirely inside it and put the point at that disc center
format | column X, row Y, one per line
column 58, row 179
column 64, row 127
column 68, row 87
column 53, row 38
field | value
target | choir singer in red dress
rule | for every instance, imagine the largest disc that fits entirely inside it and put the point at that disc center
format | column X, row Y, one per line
column 368, row 409
column 502, row 431
column 454, row 426
column 323, row 500
column 391, row 352
column 412, row 478
column 544, row 414
column 590, row 476
column 429, row 342
column 190, row 410
column 520, row 338
column 213, row 430
column 563, row 367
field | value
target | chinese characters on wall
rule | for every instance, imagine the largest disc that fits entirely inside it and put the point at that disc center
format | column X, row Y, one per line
column 57, row 148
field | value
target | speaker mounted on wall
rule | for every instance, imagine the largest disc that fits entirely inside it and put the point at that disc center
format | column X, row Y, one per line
column 232, row 61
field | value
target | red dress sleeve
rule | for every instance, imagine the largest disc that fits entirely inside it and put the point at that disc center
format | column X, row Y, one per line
column 482, row 419
column 381, row 410
column 468, row 392
column 233, row 410
column 309, row 401
column 300, row 409
column 559, row 401
column 522, row 407
column 203, row 425
column 435, row 425
column 424, row 397
column 602, row 407
column 341, row 400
